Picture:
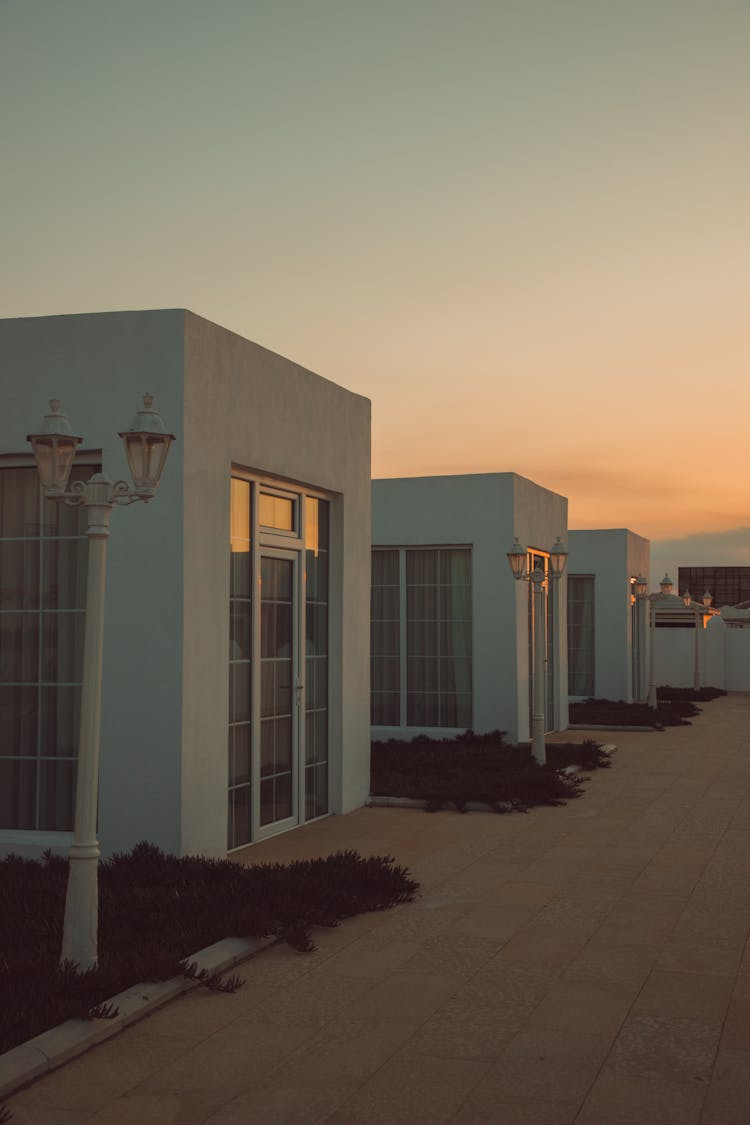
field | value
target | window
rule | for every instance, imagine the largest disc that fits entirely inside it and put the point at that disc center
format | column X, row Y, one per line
column 279, row 595
column 581, row 634
column 43, row 559
column 421, row 637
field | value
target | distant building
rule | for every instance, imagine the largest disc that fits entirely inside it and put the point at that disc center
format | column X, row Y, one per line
column 607, row 626
column 450, row 629
column 728, row 585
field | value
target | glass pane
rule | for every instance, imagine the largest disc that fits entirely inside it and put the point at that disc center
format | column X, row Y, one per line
column 19, row 574
column 239, row 692
column 455, row 675
column 19, row 503
column 317, row 524
column 316, row 791
column 18, row 793
column 239, row 517
column 62, row 646
column 266, row 801
column 317, row 576
column 384, row 709
column 385, row 571
column 240, row 630
column 421, row 568
column 422, row 710
column 276, row 511
column 455, row 603
column 316, row 683
column 239, row 817
column 19, row 647
column 422, row 603
column 422, row 674
column 385, row 638
column 317, row 630
column 18, row 720
column 422, row 638
column 239, row 754
column 64, row 573
column 59, row 721
column 57, row 781
column 455, row 568
column 282, row 796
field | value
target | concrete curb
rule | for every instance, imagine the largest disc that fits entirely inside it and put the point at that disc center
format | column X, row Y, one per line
column 45, row 1052
column 611, row 726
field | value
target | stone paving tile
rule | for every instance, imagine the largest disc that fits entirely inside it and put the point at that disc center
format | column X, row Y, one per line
column 24, row 1114
column 484, row 1107
column 312, row 1001
column 616, row 1099
column 691, row 995
column 591, row 1007
column 275, row 1102
column 717, row 957
column 459, row 954
column 344, row 1050
column 230, row 1060
column 665, row 1047
column 411, row 1091
column 539, row 946
column 158, row 1109
column 491, row 922
column 549, row 1065
column 728, row 1096
column 368, row 956
column 613, row 963
column 105, row 1072
column 404, row 998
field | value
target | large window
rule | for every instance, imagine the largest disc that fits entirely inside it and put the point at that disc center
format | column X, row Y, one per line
column 43, row 556
column 421, row 637
column 581, row 634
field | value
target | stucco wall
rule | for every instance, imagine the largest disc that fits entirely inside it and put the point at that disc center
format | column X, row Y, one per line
column 248, row 407
column 485, row 512
column 99, row 366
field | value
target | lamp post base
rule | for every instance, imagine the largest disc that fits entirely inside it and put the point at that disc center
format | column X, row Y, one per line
column 79, row 945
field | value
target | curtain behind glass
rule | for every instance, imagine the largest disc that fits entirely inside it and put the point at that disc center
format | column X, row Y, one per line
column 581, row 635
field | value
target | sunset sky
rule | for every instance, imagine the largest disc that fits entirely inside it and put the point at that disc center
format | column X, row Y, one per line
column 521, row 227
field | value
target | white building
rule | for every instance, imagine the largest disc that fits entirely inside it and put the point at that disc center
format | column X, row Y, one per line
column 450, row 625
column 236, row 687
column 607, row 625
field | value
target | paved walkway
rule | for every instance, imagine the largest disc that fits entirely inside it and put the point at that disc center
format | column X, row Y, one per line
column 587, row 964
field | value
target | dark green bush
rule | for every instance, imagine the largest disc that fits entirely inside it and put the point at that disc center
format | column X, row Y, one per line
column 475, row 768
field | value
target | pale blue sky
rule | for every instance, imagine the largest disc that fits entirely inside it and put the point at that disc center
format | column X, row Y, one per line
column 520, row 227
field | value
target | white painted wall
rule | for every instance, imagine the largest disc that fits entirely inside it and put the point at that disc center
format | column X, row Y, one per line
column 484, row 512
column 164, row 706
column 723, row 655
column 246, row 406
column 613, row 556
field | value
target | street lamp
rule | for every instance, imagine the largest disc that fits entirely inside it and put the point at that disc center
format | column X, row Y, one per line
column 641, row 592
column 146, row 446
column 517, row 558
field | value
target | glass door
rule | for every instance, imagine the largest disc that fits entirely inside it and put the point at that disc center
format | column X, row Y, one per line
column 280, row 692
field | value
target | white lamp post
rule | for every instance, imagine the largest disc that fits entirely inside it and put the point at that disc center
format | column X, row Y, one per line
column 146, row 445
column 517, row 558
column 641, row 591
column 665, row 589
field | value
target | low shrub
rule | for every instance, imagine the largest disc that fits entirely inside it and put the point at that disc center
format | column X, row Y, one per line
column 617, row 713
column 155, row 911
column 476, row 768
column 692, row 695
